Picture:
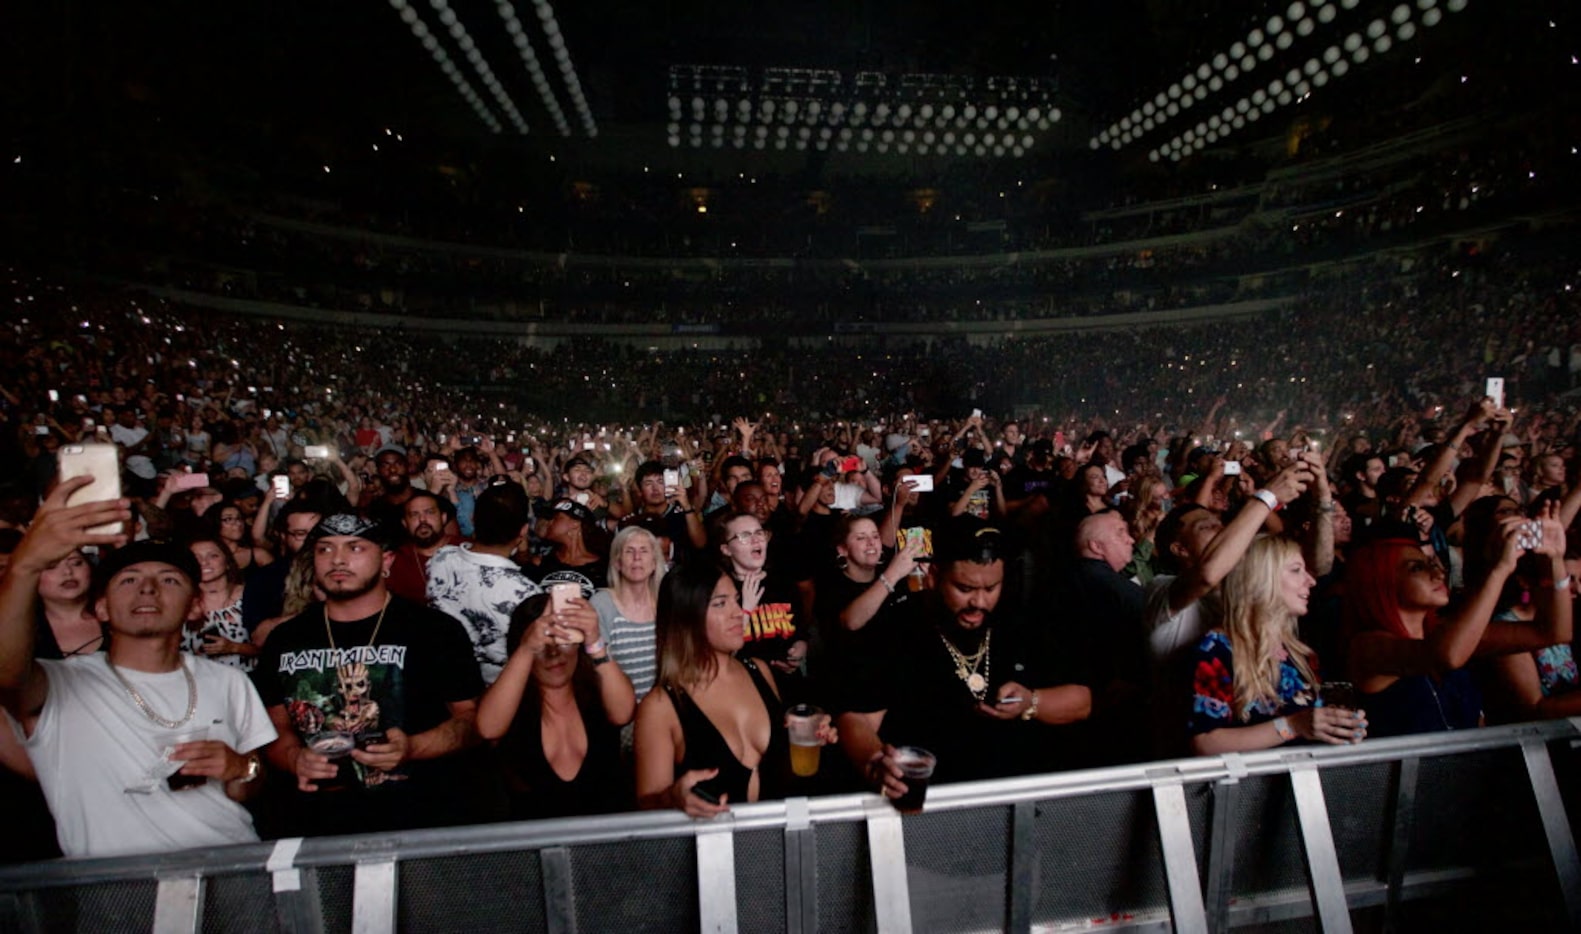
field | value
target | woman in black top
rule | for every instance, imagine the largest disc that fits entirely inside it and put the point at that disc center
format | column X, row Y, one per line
column 715, row 734
column 557, row 715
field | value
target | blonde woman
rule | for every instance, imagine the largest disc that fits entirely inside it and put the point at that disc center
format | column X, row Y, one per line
column 1255, row 681
column 628, row 607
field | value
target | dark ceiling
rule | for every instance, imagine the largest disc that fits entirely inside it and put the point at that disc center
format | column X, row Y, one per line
column 335, row 71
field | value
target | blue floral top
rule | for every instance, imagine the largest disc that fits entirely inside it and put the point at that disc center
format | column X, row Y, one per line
column 1556, row 669
column 1213, row 681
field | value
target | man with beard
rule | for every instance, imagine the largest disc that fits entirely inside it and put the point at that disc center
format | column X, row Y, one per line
column 388, row 507
column 103, row 730
column 427, row 521
column 373, row 697
column 975, row 687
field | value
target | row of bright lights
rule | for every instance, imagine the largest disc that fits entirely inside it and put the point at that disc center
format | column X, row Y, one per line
column 903, row 141
column 458, row 32
column 838, row 113
column 562, row 57
column 1298, row 83
column 491, row 82
column 1240, row 58
column 442, row 59
column 513, row 28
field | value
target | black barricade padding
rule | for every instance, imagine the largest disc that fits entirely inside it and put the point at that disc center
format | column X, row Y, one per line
column 239, row 904
column 956, row 866
column 760, row 880
column 473, row 892
column 635, row 887
column 1098, row 856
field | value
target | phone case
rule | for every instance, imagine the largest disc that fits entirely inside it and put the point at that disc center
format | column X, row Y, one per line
column 102, row 463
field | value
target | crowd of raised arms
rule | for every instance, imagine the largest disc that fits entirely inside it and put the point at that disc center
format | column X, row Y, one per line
column 317, row 593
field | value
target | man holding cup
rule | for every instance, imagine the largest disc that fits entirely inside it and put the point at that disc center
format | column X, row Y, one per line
column 374, row 697
column 966, row 694
column 141, row 748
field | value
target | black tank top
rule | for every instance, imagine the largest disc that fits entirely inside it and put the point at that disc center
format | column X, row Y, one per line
column 707, row 749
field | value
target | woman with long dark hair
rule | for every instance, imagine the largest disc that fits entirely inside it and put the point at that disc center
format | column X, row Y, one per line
column 556, row 710
column 714, row 735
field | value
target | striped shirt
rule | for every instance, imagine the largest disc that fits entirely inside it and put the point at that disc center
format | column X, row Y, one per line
column 631, row 642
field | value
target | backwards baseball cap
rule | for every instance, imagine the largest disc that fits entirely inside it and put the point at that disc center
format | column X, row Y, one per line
column 578, row 511
column 347, row 524
column 161, row 552
column 967, row 538
column 577, row 461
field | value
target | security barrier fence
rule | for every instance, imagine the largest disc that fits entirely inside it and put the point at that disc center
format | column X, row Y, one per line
column 1470, row 830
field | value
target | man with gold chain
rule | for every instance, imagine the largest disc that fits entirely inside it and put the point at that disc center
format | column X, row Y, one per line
column 373, row 696
column 975, row 686
column 141, row 748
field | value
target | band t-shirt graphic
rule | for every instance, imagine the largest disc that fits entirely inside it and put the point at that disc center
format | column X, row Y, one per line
column 419, row 661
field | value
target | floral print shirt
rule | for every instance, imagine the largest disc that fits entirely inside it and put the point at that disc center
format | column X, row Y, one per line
column 1213, row 684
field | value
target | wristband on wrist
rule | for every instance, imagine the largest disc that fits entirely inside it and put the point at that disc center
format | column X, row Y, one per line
column 1267, row 498
column 887, row 585
column 1282, row 727
column 1562, row 583
column 1031, row 712
column 595, row 647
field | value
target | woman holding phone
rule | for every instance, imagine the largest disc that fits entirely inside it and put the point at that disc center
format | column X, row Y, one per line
column 556, row 710
column 1408, row 660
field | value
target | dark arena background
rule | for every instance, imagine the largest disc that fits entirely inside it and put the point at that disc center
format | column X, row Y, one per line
column 1068, row 265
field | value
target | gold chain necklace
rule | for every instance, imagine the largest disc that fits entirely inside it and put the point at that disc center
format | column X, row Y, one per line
column 966, row 666
column 192, row 697
column 377, row 623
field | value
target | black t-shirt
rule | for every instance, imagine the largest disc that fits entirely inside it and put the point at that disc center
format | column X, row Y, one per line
column 849, row 659
column 404, row 675
column 812, row 549
column 927, row 704
column 776, row 622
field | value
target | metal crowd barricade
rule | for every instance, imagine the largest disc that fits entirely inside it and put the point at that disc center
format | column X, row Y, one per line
column 1466, row 829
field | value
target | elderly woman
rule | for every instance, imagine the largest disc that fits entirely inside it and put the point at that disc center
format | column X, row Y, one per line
column 628, row 607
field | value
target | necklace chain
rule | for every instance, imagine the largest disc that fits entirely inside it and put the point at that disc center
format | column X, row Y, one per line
column 142, row 705
column 966, row 665
column 329, row 634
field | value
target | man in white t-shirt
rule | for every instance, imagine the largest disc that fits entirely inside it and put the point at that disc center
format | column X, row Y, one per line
column 134, row 441
column 140, row 749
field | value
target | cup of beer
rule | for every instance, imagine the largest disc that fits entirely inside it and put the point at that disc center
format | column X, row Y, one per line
column 176, row 781
column 802, row 722
column 336, row 746
column 1338, row 694
column 916, row 764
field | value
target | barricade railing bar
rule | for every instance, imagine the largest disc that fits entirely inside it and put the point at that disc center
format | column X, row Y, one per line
column 1180, row 824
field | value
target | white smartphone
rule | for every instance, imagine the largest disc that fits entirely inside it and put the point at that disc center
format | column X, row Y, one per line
column 1232, row 468
column 282, row 487
column 316, row 451
column 102, row 463
column 1495, row 391
column 918, row 482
